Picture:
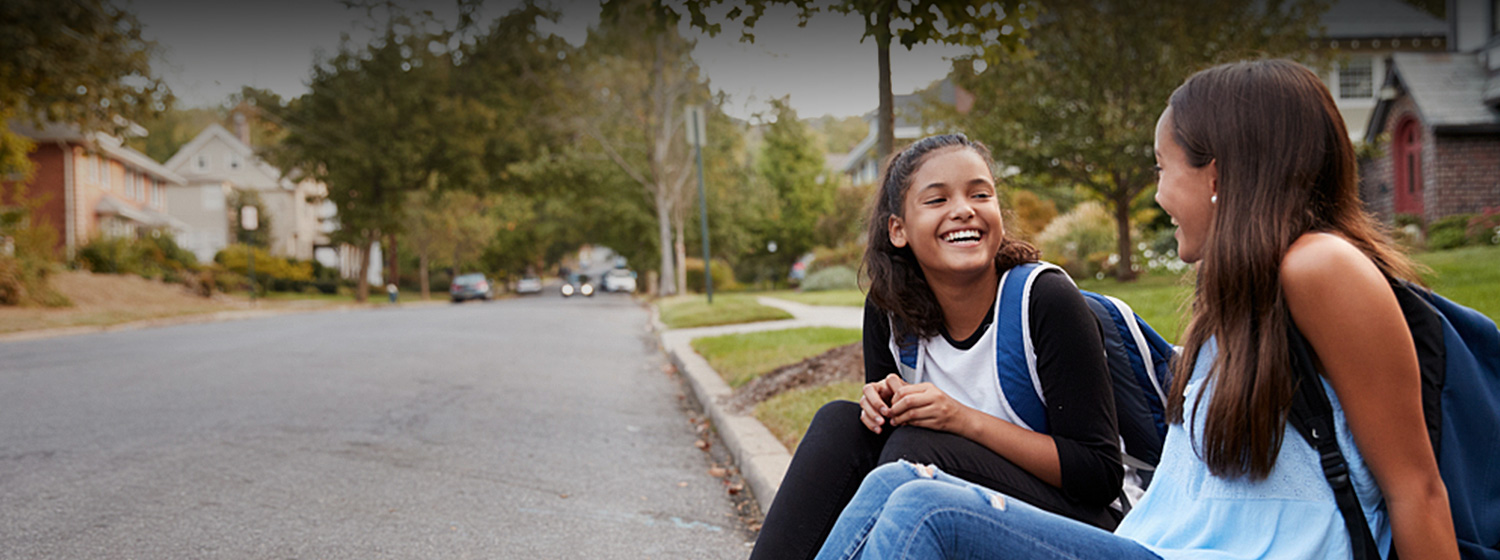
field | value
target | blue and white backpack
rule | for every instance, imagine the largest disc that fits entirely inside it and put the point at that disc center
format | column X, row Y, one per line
column 1138, row 364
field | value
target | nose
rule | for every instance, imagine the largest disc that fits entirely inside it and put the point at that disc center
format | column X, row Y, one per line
column 963, row 210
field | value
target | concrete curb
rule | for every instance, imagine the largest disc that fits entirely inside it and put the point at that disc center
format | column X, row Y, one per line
column 216, row 317
column 762, row 459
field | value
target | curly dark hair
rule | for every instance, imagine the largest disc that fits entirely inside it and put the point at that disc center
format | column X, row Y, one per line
column 897, row 285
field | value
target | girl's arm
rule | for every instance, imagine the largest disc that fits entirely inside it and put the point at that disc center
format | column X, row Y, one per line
column 1345, row 308
column 1081, row 456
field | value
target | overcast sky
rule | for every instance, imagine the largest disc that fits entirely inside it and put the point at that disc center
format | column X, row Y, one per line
column 213, row 47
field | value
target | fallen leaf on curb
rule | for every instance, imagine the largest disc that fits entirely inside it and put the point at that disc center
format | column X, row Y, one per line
column 717, row 472
column 736, row 488
column 668, row 368
column 701, row 444
column 682, row 485
column 563, row 496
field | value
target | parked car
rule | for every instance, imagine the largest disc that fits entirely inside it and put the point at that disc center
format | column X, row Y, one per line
column 471, row 286
column 529, row 285
column 618, row 280
column 577, row 284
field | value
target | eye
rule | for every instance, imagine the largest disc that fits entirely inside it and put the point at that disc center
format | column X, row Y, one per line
column 935, row 201
column 1157, row 168
column 983, row 195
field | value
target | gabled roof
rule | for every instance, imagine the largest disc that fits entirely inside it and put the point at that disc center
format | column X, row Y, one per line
column 184, row 155
column 1448, row 89
column 105, row 143
column 1379, row 19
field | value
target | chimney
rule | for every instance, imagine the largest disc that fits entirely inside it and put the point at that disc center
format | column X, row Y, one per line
column 242, row 127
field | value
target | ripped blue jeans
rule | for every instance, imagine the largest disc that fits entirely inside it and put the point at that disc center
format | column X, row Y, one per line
column 903, row 510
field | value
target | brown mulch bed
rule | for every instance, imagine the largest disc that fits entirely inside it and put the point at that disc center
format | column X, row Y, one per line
column 845, row 363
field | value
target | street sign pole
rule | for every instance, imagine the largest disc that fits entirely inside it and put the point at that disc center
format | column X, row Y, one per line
column 695, row 115
column 250, row 221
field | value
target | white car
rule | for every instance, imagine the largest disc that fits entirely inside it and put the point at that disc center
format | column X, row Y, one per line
column 529, row 285
column 618, row 280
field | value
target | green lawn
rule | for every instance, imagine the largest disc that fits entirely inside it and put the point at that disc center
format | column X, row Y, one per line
column 740, row 358
column 841, row 298
column 680, row 312
column 788, row 414
column 1469, row 276
column 1159, row 299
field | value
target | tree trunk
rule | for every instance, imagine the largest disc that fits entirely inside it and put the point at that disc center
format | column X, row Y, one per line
column 362, row 284
column 422, row 274
column 886, row 116
column 664, row 241
column 392, row 260
column 681, row 246
column 1124, row 272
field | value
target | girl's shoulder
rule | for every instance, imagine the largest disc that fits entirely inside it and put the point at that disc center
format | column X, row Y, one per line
column 1324, row 269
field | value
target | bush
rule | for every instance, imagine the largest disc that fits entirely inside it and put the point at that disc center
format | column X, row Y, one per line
column 1484, row 228
column 24, row 282
column 723, row 276
column 155, row 256
column 271, row 273
column 1081, row 241
column 1448, row 233
column 831, row 278
column 1029, row 215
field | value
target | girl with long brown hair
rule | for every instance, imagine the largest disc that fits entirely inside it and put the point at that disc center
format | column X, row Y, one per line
column 937, row 253
column 1257, row 171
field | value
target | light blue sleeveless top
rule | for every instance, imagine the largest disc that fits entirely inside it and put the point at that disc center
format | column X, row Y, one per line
column 1190, row 513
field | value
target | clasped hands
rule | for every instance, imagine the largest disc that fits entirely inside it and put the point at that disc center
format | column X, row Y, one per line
column 894, row 402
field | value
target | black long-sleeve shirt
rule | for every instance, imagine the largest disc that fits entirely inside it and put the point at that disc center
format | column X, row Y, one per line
column 1074, row 376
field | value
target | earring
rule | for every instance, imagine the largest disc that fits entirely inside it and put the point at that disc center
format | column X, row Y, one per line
column 1213, row 199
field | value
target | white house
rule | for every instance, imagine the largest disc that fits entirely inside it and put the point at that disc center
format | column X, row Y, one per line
column 217, row 163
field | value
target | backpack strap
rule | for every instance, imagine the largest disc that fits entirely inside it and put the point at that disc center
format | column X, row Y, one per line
column 1312, row 415
column 1015, row 357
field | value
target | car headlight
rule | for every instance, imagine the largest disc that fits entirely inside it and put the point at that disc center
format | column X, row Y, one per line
column 567, row 289
column 586, row 289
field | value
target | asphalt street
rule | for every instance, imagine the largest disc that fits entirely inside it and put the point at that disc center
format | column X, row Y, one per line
column 537, row 427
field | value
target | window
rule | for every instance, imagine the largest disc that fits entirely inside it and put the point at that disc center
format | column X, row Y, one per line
column 213, row 197
column 155, row 189
column 201, row 162
column 234, row 161
column 104, row 173
column 1357, row 78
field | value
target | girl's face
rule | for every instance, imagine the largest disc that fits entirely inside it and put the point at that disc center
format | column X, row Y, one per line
column 950, row 217
column 1184, row 192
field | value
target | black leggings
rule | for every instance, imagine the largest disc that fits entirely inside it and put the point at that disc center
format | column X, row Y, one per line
column 838, row 451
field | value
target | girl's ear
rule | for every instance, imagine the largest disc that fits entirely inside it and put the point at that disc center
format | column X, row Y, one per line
column 1213, row 177
column 897, row 231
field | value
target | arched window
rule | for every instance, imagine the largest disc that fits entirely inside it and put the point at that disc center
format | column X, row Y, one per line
column 1406, row 149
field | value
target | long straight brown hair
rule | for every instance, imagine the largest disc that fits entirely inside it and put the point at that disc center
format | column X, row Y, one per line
column 1286, row 168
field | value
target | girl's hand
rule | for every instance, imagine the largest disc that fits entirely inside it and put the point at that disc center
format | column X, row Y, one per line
column 924, row 405
column 875, row 401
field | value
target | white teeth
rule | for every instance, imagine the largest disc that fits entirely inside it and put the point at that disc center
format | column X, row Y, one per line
column 962, row 235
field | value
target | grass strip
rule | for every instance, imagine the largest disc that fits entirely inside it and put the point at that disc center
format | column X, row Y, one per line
column 788, row 414
column 740, row 358
column 679, row 312
column 836, row 298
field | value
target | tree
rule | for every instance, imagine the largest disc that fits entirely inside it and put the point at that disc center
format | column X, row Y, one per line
column 80, row 62
column 261, row 235
column 378, row 123
column 791, row 163
column 449, row 228
column 1083, row 108
column 992, row 26
column 642, row 76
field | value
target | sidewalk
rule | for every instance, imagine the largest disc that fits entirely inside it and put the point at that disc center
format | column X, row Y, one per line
column 763, row 460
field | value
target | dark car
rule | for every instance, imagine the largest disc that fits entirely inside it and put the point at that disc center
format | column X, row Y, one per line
column 575, row 283
column 471, row 286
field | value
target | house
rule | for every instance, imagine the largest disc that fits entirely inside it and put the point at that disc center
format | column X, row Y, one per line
column 1438, row 121
column 860, row 165
column 217, row 163
column 93, row 186
column 1364, row 33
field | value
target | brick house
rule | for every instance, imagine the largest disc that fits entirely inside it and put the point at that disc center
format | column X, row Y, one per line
column 1438, row 121
column 93, row 186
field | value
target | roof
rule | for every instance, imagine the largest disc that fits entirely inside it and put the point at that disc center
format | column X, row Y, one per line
column 1359, row 19
column 1448, row 89
column 180, row 160
column 105, row 143
column 111, row 206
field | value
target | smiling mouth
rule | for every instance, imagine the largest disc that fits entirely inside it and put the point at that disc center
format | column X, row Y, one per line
column 963, row 237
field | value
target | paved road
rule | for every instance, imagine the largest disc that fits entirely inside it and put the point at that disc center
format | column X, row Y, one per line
column 529, row 428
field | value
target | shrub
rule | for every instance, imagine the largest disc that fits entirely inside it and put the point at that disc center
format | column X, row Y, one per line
column 1030, row 215
column 156, row 255
column 1448, row 233
column 24, row 282
column 1484, row 228
column 1081, row 241
column 723, row 275
column 848, row 255
column 831, row 278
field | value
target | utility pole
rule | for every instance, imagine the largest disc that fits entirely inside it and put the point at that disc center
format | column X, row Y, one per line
column 696, row 132
column 250, row 221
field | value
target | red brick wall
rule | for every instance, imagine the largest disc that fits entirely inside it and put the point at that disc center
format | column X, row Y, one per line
column 1461, row 173
column 1468, row 176
column 47, row 179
